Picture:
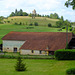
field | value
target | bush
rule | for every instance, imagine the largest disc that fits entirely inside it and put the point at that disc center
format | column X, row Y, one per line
column 36, row 23
column 65, row 54
column 70, row 71
column 30, row 24
column 20, row 23
column 70, row 29
column 49, row 25
column 8, row 21
column 63, row 27
column 16, row 23
column 20, row 66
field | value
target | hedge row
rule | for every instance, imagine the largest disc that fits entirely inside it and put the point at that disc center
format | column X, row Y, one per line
column 65, row 54
column 8, row 56
column 26, row 57
column 70, row 71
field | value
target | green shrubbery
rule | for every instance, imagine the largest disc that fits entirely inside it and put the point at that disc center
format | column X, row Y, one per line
column 65, row 54
column 63, row 27
column 70, row 71
column 30, row 24
column 36, row 23
column 8, row 56
column 49, row 25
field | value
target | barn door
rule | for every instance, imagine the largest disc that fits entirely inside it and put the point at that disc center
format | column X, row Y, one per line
column 15, row 50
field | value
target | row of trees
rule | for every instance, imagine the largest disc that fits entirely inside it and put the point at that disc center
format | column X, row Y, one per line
column 21, row 13
column 53, row 16
column 18, row 13
column 62, row 23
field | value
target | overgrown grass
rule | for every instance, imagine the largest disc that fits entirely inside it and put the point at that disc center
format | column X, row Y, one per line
column 36, row 67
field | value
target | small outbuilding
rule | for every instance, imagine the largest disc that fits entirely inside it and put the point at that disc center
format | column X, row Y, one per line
column 35, row 43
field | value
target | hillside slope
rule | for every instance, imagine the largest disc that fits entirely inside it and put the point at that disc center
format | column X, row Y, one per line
column 26, row 20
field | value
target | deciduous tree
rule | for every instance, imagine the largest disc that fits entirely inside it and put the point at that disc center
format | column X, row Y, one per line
column 70, row 3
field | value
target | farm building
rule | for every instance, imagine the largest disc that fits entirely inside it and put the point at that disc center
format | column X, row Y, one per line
column 35, row 43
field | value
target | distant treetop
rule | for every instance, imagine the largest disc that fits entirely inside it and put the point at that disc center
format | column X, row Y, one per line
column 18, row 13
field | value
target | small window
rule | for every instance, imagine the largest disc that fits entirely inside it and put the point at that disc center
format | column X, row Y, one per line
column 40, row 52
column 15, row 50
column 32, row 51
column 7, row 48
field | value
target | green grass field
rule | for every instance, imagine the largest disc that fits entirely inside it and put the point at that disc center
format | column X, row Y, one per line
column 26, row 20
column 6, row 28
column 36, row 67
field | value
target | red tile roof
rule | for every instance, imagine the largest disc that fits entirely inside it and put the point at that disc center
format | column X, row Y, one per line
column 40, row 40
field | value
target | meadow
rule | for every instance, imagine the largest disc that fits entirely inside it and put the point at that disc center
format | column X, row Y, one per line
column 26, row 20
column 9, row 25
column 36, row 67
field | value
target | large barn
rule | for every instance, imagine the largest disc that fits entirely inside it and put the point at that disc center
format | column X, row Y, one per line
column 35, row 43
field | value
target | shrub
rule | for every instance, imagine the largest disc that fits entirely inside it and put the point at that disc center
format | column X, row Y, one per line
column 49, row 25
column 63, row 27
column 8, row 21
column 30, row 24
column 36, row 23
column 16, row 23
column 20, row 66
column 65, row 54
column 70, row 71
column 20, row 23
column 70, row 29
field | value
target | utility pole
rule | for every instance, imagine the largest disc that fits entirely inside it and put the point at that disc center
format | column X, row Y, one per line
column 66, row 36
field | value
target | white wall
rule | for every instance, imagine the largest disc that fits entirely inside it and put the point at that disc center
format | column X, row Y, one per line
column 9, row 45
column 36, row 52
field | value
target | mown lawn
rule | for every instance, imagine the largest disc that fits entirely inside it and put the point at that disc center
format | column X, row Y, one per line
column 36, row 67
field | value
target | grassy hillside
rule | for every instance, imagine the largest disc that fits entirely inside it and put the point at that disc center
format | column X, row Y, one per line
column 42, row 27
column 42, row 21
column 6, row 28
column 36, row 67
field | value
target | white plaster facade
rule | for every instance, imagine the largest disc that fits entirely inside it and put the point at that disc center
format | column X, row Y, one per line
column 9, row 45
column 35, row 52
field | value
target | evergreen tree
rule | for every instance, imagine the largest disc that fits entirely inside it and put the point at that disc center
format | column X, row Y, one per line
column 20, row 66
column 21, row 12
column 16, row 12
column 62, row 18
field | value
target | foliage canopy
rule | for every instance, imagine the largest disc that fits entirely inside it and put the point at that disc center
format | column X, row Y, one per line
column 70, row 3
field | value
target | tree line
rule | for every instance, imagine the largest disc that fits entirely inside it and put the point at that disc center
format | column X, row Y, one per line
column 21, row 13
column 18, row 13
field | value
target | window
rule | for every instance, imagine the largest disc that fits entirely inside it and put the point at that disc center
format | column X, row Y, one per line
column 32, row 51
column 40, row 52
column 7, row 48
column 15, row 50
